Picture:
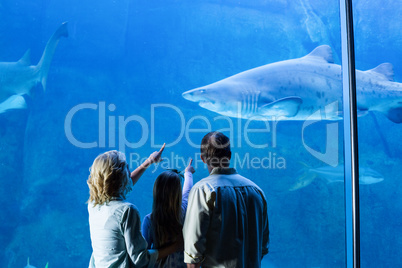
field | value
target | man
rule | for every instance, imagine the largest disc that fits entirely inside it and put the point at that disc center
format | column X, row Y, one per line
column 226, row 223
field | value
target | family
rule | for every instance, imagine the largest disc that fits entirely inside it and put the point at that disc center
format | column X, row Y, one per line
column 221, row 221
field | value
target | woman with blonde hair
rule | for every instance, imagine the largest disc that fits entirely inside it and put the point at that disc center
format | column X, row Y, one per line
column 115, row 224
column 164, row 225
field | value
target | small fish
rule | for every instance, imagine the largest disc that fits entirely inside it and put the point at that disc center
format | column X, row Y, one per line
column 334, row 174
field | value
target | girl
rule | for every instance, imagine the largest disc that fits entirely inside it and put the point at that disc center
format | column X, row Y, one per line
column 164, row 225
column 115, row 224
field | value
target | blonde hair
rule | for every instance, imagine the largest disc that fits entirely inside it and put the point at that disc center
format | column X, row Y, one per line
column 109, row 177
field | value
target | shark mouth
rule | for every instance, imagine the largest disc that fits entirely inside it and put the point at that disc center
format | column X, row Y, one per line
column 203, row 104
column 206, row 104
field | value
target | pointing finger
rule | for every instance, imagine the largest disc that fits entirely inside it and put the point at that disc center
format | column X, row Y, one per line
column 163, row 147
column 191, row 161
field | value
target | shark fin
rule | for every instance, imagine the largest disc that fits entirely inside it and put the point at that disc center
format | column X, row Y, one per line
column 26, row 59
column 386, row 70
column 14, row 102
column 44, row 62
column 322, row 53
column 362, row 112
column 47, row 265
column 395, row 114
column 287, row 107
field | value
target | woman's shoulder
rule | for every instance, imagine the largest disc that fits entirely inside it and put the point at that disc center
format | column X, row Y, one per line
column 123, row 209
column 129, row 205
column 146, row 229
column 121, row 204
column 147, row 221
column 148, row 217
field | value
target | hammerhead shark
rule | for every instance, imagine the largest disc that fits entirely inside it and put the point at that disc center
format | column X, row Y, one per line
column 18, row 78
column 296, row 89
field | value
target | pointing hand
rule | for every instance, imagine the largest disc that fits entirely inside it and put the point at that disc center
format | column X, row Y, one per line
column 155, row 157
column 190, row 167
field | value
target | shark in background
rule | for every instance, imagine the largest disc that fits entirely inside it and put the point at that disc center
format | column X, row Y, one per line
column 30, row 266
column 295, row 89
column 18, row 78
column 334, row 174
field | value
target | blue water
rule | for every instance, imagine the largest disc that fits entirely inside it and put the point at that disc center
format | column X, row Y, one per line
column 126, row 63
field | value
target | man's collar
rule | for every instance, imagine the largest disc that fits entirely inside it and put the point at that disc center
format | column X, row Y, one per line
column 224, row 171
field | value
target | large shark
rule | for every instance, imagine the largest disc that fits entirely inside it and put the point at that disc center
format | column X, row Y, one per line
column 18, row 78
column 295, row 89
column 334, row 174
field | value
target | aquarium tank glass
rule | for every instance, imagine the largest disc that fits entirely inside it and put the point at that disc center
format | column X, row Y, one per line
column 78, row 78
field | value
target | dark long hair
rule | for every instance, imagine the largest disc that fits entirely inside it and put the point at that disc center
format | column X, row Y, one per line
column 166, row 208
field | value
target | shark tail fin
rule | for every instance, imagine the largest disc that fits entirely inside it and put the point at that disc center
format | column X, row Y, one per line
column 44, row 62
